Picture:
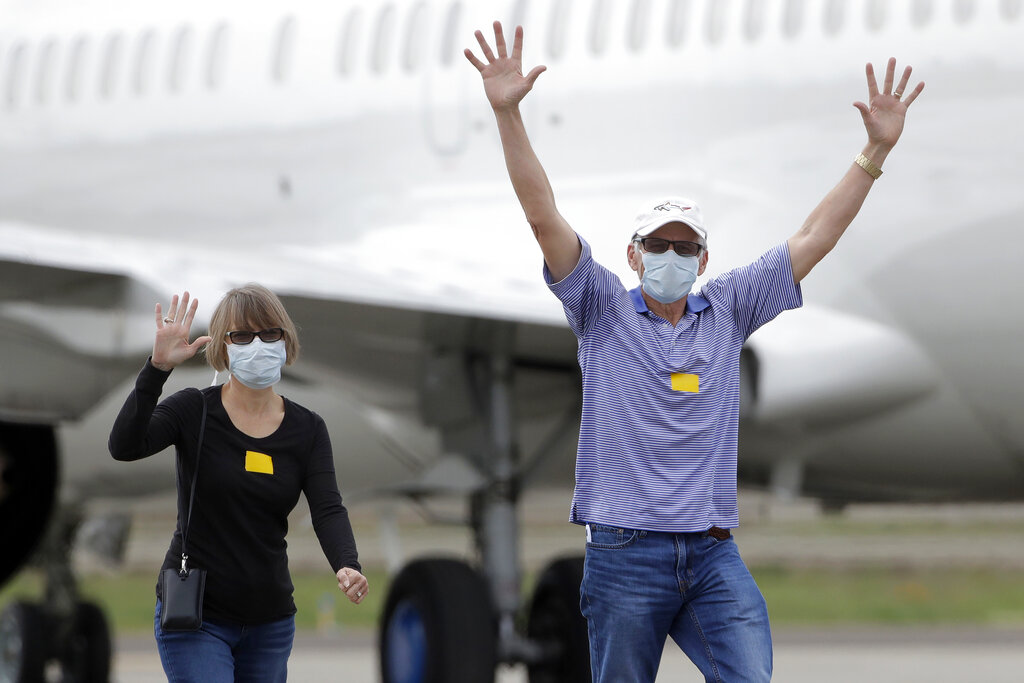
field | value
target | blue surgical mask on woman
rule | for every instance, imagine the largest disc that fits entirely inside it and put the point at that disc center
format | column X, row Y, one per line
column 668, row 277
column 257, row 364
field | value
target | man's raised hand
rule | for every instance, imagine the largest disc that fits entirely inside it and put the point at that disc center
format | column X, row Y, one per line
column 886, row 109
column 504, row 82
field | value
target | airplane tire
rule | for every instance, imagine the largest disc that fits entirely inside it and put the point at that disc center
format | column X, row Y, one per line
column 28, row 466
column 555, row 622
column 438, row 625
column 23, row 638
column 87, row 656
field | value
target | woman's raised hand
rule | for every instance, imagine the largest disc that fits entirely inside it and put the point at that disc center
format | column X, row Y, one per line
column 504, row 82
column 171, row 347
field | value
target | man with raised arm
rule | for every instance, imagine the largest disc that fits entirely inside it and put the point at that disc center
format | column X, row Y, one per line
column 656, row 464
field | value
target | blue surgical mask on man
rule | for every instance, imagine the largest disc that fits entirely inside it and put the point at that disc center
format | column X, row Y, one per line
column 258, row 364
column 668, row 277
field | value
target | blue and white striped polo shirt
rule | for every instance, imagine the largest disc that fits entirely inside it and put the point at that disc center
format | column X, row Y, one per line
column 652, row 456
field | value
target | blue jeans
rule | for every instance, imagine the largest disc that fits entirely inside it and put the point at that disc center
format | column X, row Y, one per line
column 639, row 587
column 222, row 652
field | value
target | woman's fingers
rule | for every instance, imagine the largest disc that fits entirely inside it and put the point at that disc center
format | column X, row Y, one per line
column 353, row 584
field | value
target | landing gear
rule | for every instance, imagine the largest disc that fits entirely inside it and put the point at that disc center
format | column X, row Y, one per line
column 445, row 622
column 438, row 625
column 63, row 629
column 555, row 623
column 28, row 487
column 23, row 633
column 28, row 642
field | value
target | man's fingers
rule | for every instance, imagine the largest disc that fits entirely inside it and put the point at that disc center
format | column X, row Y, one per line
column 872, row 83
column 901, row 87
column 531, row 77
column 473, row 60
column 890, row 71
column 484, row 46
column 913, row 96
column 499, row 40
column 517, row 44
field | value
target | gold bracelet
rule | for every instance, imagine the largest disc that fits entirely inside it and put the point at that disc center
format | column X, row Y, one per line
column 868, row 166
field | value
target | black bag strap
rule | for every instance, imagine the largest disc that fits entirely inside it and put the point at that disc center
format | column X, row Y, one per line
column 192, row 491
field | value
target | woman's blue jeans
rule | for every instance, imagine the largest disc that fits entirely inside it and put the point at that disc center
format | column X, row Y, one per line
column 223, row 652
column 640, row 587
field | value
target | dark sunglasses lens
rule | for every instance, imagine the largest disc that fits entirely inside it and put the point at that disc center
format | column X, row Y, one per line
column 241, row 337
column 272, row 335
column 687, row 248
column 655, row 245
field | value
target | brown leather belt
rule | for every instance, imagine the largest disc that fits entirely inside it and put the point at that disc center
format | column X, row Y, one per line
column 718, row 532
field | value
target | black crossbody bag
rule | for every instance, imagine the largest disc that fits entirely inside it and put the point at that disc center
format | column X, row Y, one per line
column 181, row 590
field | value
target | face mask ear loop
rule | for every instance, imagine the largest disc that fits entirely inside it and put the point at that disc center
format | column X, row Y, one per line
column 215, row 374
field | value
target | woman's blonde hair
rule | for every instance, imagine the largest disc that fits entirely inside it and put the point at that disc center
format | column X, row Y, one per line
column 249, row 307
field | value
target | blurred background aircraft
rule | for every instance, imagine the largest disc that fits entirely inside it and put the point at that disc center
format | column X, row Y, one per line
column 344, row 154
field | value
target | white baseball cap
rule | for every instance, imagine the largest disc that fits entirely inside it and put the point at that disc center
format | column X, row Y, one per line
column 669, row 210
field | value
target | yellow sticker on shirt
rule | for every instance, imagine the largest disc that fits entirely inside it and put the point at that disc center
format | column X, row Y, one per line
column 258, row 462
column 683, row 381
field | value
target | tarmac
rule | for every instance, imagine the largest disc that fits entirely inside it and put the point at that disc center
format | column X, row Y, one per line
column 791, row 534
column 835, row 655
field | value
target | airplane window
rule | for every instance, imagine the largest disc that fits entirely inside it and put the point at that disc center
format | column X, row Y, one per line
column 753, row 23
column 181, row 50
column 283, row 49
column 678, row 19
column 15, row 72
column 876, row 14
column 382, row 38
column 415, row 34
column 792, row 18
column 716, row 20
column 600, row 14
column 451, row 40
column 1011, row 9
column 639, row 20
column 144, row 60
column 44, row 70
column 77, row 61
column 216, row 55
column 348, row 41
column 834, row 16
column 558, row 23
column 111, row 64
column 963, row 11
column 921, row 12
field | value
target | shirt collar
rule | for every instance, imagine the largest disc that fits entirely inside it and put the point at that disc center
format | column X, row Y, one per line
column 695, row 303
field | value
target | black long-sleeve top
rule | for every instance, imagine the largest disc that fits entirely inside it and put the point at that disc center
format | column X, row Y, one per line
column 240, row 513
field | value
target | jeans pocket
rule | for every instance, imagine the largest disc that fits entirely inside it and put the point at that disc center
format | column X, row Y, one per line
column 611, row 538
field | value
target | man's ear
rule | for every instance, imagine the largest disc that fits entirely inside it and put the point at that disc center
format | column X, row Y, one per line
column 632, row 257
column 703, row 262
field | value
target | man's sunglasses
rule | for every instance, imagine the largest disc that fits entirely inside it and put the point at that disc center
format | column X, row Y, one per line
column 245, row 337
column 656, row 245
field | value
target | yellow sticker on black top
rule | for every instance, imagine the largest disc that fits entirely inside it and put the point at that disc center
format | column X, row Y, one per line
column 258, row 462
column 684, row 381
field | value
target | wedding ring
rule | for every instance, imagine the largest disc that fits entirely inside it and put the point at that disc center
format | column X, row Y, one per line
column 359, row 594
column 168, row 320
column 897, row 95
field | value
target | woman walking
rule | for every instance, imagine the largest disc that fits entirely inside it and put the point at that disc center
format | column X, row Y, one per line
column 258, row 452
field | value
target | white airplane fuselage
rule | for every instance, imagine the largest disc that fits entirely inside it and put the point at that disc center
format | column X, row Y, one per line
column 203, row 145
